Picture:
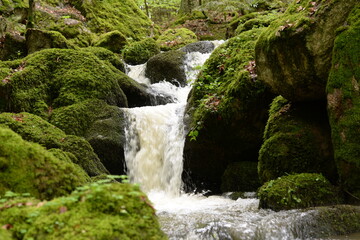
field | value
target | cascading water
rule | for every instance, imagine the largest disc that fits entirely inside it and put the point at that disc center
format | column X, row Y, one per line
column 153, row 153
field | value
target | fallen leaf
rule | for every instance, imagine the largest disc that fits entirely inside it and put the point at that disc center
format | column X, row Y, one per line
column 7, row 226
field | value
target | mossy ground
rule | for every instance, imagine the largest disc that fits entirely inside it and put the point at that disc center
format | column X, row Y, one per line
column 344, row 104
column 95, row 211
column 298, row 191
column 30, row 168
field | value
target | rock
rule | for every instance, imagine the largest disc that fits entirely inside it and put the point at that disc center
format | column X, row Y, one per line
column 173, row 39
column 95, row 211
column 293, row 55
column 12, row 46
column 240, row 177
column 298, row 191
column 297, row 139
column 167, row 66
column 35, row 129
column 140, row 52
column 29, row 168
column 226, row 113
column 53, row 78
column 202, row 47
column 37, row 40
column 344, row 105
column 100, row 124
column 113, row 41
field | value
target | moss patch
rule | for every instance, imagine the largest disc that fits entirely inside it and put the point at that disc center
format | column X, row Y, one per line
column 29, row 168
column 297, row 191
column 343, row 97
column 96, row 211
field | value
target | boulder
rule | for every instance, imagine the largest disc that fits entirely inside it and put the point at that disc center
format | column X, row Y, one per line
column 167, row 66
column 29, row 168
column 297, row 139
column 226, row 113
column 298, row 191
column 100, row 124
column 201, row 46
column 113, row 41
column 140, row 52
column 35, row 129
column 37, row 40
column 12, row 46
column 344, row 105
column 173, row 39
column 95, row 211
column 293, row 55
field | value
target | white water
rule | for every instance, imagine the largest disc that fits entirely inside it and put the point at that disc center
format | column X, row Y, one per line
column 155, row 141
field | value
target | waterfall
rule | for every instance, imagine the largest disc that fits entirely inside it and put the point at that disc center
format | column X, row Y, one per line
column 155, row 140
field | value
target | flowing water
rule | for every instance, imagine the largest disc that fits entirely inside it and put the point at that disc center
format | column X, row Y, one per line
column 155, row 141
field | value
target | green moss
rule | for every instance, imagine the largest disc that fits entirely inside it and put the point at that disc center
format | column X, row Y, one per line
column 112, row 15
column 113, row 41
column 240, row 177
column 5, row 234
column 344, row 104
column 34, row 129
column 296, row 140
column 255, row 20
column 139, row 52
column 53, row 78
column 96, row 211
column 10, row 5
column 297, row 191
column 173, row 39
column 28, row 167
column 107, row 56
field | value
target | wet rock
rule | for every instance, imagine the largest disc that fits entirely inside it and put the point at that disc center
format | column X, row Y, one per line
column 202, row 47
column 167, row 66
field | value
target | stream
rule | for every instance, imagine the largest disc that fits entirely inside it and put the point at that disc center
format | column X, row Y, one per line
column 155, row 139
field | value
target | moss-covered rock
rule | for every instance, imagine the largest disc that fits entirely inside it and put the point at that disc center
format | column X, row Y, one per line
column 173, row 39
column 227, row 111
column 34, row 129
column 12, row 46
column 112, row 15
column 100, row 124
column 96, row 211
column 113, row 41
column 294, row 54
column 167, row 66
column 140, row 52
column 298, row 191
column 38, row 39
column 344, row 105
column 52, row 78
column 240, row 177
column 107, row 56
column 297, row 139
column 28, row 168
column 5, row 234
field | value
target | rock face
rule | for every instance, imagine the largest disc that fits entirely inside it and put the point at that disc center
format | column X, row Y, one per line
column 298, row 191
column 167, row 66
column 294, row 54
column 97, row 211
column 35, row 129
column 100, row 124
column 226, row 113
column 29, row 168
column 344, row 105
column 297, row 139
